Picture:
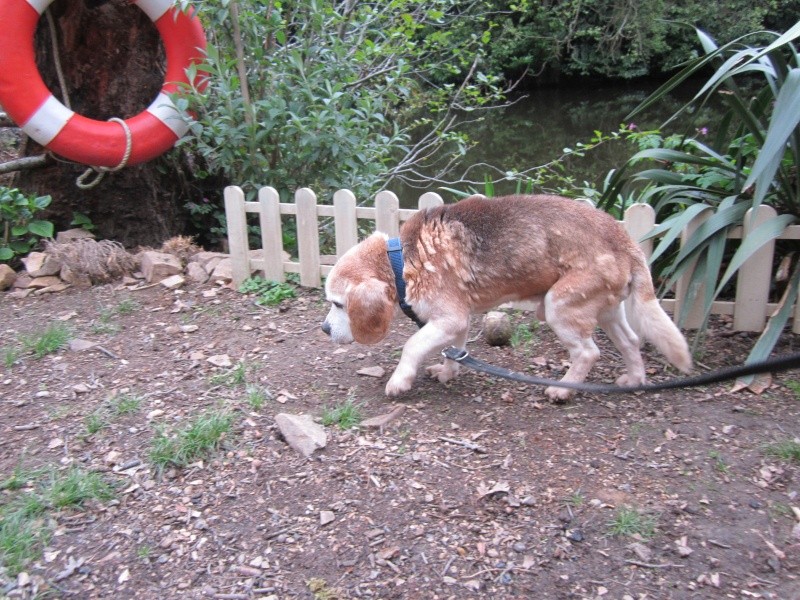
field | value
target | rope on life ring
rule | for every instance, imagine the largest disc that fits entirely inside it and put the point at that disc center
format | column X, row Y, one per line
column 101, row 171
column 103, row 144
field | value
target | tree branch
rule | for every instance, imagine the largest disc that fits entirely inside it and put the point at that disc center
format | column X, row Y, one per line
column 24, row 164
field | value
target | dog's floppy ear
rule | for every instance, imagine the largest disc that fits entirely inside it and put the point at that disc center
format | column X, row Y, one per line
column 370, row 309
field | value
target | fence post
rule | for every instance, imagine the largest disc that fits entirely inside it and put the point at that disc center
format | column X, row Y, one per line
column 271, row 234
column 387, row 213
column 639, row 220
column 692, row 317
column 238, row 245
column 753, row 278
column 344, row 221
column 307, row 237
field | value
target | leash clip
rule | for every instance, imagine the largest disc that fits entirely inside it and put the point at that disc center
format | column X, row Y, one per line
column 456, row 354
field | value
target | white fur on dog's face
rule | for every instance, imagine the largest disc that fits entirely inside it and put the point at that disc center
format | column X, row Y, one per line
column 361, row 291
column 337, row 323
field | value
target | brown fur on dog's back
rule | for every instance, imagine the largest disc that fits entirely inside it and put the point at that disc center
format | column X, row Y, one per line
column 515, row 249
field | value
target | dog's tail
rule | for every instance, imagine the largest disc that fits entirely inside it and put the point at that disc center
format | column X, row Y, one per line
column 651, row 323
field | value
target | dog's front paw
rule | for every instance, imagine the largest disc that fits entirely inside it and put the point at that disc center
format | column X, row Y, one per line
column 558, row 394
column 398, row 384
column 444, row 372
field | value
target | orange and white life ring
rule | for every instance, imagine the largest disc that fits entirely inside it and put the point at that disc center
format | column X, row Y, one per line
column 29, row 103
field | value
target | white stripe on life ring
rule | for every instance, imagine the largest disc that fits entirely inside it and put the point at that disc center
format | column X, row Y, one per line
column 46, row 123
column 40, row 5
column 163, row 109
column 153, row 8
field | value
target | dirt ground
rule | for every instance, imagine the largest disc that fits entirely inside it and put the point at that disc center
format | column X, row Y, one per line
column 479, row 489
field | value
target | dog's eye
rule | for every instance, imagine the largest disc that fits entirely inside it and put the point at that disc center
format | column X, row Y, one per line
column 337, row 304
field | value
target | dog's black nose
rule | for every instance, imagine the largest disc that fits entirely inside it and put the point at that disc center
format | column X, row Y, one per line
column 326, row 328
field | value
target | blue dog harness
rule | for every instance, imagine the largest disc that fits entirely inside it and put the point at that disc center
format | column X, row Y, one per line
column 395, row 251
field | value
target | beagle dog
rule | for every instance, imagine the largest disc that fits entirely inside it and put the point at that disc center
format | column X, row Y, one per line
column 577, row 262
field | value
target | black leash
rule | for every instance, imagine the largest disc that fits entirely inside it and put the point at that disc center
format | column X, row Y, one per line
column 778, row 363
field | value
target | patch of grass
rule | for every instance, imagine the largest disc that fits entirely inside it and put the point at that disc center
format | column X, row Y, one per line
column 719, row 462
column 575, row 499
column 786, row 450
column 125, row 404
column 128, row 306
column 103, row 323
column 94, row 422
column 630, row 522
column 269, row 292
column 24, row 521
column 257, row 396
column 75, row 487
column 18, row 479
column 54, row 337
column 235, row 376
column 346, row 415
column 523, row 334
column 794, row 386
column 10, row 356
column 21, row 541
column 144, row 552
column 197, row 439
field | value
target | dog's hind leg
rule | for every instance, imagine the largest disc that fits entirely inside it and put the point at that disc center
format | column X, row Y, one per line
column 573, row 320
column 615, row 324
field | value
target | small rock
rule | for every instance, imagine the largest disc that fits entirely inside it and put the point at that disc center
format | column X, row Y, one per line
column 497, row 328
column 70, row 235
column 43, row 282
column 196, row 273
column 223, row 271
column 372, row 371
column 220, row 360
column 40, row 264
column 382, row 421
column 50, row 289
column 80, row 388
column 79, row 345
column 326, row 517
column 159, row 265
column 7, row 276
column 301, row 433
column 173, row 282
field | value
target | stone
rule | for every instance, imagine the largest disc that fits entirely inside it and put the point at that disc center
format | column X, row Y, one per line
column 40, row 264
column 220, row 360
column 301, row 433
column 173, row 282
column 159, row 265
column 55, row 287
column 70, row 235
column 382, row 421
column 196, row 273
column 7, row 276
column 43, row 282
column 326, row 517
column 77, row 279
column 79, row 345
column 207, row 260
column 223, row 271
column 497, row 328
column 372, row 371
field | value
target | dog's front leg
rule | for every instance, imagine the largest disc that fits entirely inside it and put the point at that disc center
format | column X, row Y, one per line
column 431, row 338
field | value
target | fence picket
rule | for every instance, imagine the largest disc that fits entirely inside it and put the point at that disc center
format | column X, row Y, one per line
column 307, row 237
column 271, row 233
column 238, row 244
column 387, row 213
column 639, row 221
column 753, row 278
column 344, row 221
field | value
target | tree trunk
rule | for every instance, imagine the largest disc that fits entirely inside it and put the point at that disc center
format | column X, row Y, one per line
column 113, row 65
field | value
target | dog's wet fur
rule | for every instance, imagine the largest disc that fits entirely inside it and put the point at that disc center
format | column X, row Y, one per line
column 576, row 262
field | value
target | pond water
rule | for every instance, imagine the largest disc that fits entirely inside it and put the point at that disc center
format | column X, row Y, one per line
column 537, row 127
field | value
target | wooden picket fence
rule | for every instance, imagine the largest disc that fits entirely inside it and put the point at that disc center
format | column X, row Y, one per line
column 750, row 309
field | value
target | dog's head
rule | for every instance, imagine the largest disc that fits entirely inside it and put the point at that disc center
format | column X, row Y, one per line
column 363, row 297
